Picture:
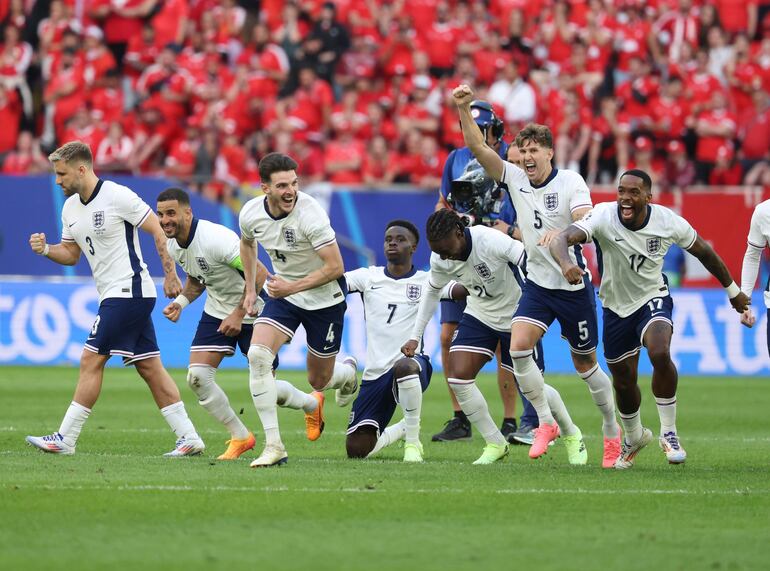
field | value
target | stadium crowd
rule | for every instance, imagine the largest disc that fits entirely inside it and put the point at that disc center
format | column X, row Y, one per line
column 358, row 91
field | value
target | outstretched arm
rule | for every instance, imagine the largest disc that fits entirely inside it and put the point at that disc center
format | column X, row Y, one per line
column 474, row 138
column 714, row 264
column 559, row 251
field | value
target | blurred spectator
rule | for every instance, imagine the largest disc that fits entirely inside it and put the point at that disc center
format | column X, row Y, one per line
column 106, row 100
column 439, row 41
column 380, row 165
column 26, row 158
column 754, row 136
column 344, row 158
column 396, row 54
column 63, row 94
column 608, row 153
column 10, row 118
column 426, row 168
column 15, row 57
column 169, row 19
column 672, row 29
column 98, row 59
column 670, row 112
column 123, row 20
column 715, row 128
column 51, row 29
column 644, row 159
column 727, row 171
column 573, row 135
column 637, row 93
column 307, row 110
column 720, row 52
column 141, row 52
column 419, row 112
column 514, row 95
column 680, row 171
column 326, row 43
column 82, row 127
column 267, row 62
column 114, row 151
column 738, row 15
column 181, row 158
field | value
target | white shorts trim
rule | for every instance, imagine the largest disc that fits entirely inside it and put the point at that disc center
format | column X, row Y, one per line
column 321, row 355
column 141, row 357
column 91, row 348
column 279, row 326
column 365, row 422
column 471, row 349
column 212, row 349
column 624, row 356
column 531, row 321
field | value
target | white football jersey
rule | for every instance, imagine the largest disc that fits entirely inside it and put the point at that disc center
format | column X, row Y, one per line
column 390, row 308
column 489, row 274
column 292, row 242
column 208, row 256
column 105, row 229
column 548, row 206
column 631, row 261
column 759, row 236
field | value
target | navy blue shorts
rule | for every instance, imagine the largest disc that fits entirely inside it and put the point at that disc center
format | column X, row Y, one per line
column 323, row 326
column 472, row 336
column 624, row 336
column 124, row 327
column 208, row 339
column 574, row 310
column 452, row 311
column 377, row 399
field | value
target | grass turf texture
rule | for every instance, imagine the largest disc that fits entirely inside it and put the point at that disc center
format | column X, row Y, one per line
column 118, row 503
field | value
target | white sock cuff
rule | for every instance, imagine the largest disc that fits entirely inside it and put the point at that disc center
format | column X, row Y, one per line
column 587, row 375
column 453, row 381
column 408, row 382
column 630, row 416
column 661, row 401
column 80, row 407
column 521, row 354
column 172, row 408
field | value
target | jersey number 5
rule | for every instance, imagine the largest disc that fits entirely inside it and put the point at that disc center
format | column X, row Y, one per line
column 538, row 221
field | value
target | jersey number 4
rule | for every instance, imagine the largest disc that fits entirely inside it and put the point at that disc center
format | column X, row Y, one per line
column 279, row 256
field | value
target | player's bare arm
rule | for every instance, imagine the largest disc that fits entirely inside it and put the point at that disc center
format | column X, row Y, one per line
column 172, row 286
column 249, row 261
column 580, row 213
column 192, row 290
column 714, row 264
column 559, row 250
column 331, row 270
column 66, row 253
column 474, row 138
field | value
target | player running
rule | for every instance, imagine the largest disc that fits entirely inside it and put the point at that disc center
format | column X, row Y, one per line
column 759, row 237
column 305, row 290
column 546, row 201
column 482, row 260
column 210, row 254
column 632, row 236
column 100, row 218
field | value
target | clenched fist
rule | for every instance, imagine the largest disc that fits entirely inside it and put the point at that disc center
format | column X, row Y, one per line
column 462, row 95
column 37, row 243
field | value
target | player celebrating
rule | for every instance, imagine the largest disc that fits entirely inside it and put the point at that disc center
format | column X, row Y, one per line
column 482, row 260
column 100, row 218
column 210, row 254
column 546, row 201
column 487, row 205
column 632, row 237
column 295, row 231
column 391, row 296
column 759, row 237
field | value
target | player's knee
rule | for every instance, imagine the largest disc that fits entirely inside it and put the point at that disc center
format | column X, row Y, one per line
column 319, row 379
column 660, row 356
column 584, row 363
column 260, row 360
column 405, row 367
column 360, row 443
column 200, row 378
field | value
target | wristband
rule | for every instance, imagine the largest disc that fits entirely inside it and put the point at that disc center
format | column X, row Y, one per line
column 182, row 301
column 45, row 250
column 732, row 290
column 511, row 230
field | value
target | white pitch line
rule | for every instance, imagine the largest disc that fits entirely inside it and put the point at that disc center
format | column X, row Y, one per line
column 424, row 491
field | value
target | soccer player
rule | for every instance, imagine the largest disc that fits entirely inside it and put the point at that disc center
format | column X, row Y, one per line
column 482, row 260
column 391, row 297
column 632, row 236
column 100, row 218
column 546, row 201
column 306, row 289
column 498, row 213
column 210, row 254
column 759, row 237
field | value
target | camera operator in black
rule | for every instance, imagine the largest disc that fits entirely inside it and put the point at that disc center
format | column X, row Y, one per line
column 466, row 189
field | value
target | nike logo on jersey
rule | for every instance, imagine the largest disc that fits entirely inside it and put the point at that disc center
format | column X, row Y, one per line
column 619, row 239
column 581, row 345
column 259, row 395
column 71, row 225
column 656, row 313
column 376, row 287
column 327, row 348
column 524, row 191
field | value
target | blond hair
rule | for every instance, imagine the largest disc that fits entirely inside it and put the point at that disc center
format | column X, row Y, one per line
column 72, row 152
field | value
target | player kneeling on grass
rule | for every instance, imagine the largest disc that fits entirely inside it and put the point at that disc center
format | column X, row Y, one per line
column 632, row 237
column 391, row 297
column 100, row 219
column 484, row 261
column 210, row 255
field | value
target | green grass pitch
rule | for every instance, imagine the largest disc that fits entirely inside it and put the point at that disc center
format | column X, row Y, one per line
column 117, row 504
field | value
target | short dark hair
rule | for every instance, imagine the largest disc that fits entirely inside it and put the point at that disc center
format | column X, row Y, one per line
column 174, row 193
column 275, row 162
column 408, row 225
column 539, row 134
column 646, row 180
column 442, row 223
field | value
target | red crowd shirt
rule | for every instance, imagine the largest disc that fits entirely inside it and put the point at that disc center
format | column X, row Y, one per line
column 10, row 114
column 734, row 14
column 708, row 146
column 673, row 113
column 169, row 20
column 345, row 151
